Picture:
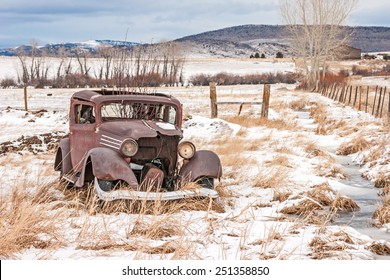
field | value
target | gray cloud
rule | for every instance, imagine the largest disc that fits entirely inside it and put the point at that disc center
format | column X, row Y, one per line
column 147, row 20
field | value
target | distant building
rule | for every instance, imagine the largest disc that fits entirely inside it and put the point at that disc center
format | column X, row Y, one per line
column 348, row 52
column 384, row 56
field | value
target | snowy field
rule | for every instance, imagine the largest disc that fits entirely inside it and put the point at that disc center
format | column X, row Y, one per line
column 11, row 66
column 288, row 189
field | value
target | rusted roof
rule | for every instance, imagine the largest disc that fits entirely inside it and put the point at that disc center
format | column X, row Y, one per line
column 99, row 96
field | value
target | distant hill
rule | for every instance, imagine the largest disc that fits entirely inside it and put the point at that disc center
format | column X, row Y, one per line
column 236, row 41
column 242, row 41
column 91, row 46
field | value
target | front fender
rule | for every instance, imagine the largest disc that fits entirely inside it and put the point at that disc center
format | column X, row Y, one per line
column 63, row 158
column 106, row 164
column 203, row 164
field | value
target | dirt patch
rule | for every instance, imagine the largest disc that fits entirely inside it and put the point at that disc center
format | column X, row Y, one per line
column 36, row 144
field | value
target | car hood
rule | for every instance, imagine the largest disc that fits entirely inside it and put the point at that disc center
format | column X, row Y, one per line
column 139, row 129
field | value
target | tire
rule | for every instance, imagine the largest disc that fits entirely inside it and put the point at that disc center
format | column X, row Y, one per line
column 106, row 185
column 206, row 182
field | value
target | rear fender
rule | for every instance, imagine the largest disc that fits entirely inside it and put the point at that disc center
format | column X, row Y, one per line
column 63, row 157
column 203, row 164
column 106, row 164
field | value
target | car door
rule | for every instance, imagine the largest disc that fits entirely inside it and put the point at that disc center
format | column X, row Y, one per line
column 82, row 132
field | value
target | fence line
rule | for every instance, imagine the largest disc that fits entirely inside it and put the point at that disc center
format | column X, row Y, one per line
column 373, row 99
column 264, row 108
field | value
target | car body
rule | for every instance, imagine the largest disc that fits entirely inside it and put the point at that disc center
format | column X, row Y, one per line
column 130, row 146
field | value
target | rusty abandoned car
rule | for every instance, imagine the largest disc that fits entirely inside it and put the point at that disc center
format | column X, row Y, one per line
column 129, row 146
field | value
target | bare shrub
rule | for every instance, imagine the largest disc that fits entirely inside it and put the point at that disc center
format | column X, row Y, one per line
column 224, row 78
column 8, row 83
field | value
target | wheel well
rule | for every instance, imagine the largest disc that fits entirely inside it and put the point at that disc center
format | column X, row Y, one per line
column 58, row 160
column 88, row 172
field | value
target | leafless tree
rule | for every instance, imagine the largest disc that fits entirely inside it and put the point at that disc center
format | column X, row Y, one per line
column 82, row 59
column 316, row 31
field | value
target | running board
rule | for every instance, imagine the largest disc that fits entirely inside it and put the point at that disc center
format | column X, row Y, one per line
column 138, row 195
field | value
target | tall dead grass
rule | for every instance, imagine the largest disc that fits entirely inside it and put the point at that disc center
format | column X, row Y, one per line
column 382, row 214
column 247, row 121
column 85, row 199
column 272, row 178
column 357, row 144
column 320, row 205
column 27, row 221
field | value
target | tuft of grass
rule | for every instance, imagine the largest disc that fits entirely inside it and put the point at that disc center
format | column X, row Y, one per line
column 271, row 178
column 281, row 196
column 379, row 248
column 159, row 228
column 279, row 160
column 382, row 181
column 322, row 193
column 304, row 208
column 382, row 213
column 344, row 204
column 357, row 144
column 298, row 105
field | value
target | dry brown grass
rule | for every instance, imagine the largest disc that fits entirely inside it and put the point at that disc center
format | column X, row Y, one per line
column 161, row 227
column 272, row 178
column 320, row 205
column 27, row 221
column 344, row 204
column 382, row 213
column 298, row 105
column 247, row 121
column 322, row 193
column 281, row 196
column 325, row 247
column 279, row 160
column 382, row 181
column 313, row 150
column 304, row 208
column 380, row 248
column 85, row 199
column 357, row 144
column 319, row 113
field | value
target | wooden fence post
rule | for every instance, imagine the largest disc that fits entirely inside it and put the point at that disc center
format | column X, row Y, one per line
column 383, row 102
column 373, row 107
column 368, row 90
column 266, row 97
column 213, row 100
column 25, row 99
column 354, row 100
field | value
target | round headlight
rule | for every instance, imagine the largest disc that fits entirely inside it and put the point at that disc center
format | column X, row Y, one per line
column 129, row 147
column 186, row 149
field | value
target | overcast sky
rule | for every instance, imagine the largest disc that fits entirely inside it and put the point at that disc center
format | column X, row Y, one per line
column 57, row 21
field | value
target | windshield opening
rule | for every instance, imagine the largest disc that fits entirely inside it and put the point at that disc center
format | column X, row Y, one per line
column 138, row 111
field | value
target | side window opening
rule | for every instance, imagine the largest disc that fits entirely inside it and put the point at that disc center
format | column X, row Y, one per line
column 85, row 114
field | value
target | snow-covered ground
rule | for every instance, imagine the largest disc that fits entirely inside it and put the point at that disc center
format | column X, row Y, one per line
column 282, row 178
column 272, row 169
